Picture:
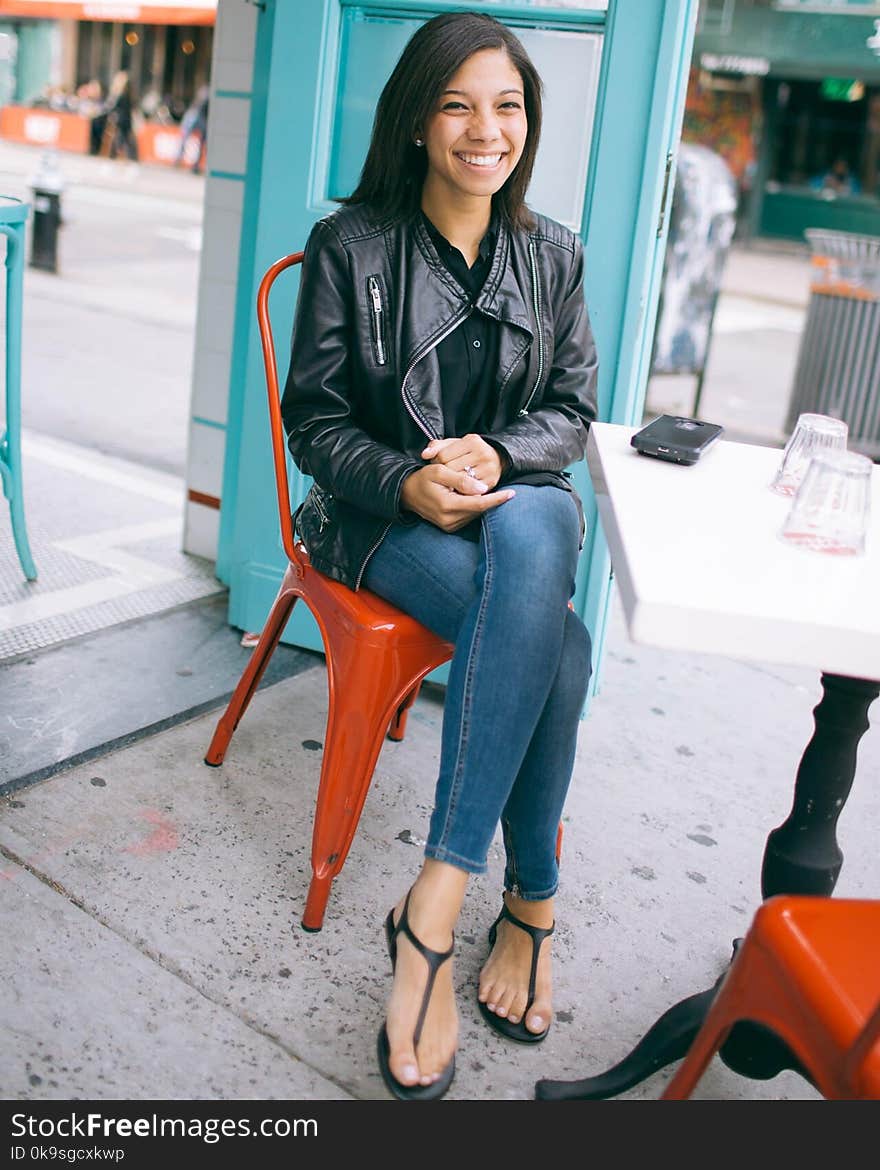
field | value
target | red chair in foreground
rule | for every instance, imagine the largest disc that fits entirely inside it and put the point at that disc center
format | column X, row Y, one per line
column 376, row 659
column 808, row 969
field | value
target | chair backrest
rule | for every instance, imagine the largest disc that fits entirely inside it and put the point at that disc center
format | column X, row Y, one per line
column 279, row 446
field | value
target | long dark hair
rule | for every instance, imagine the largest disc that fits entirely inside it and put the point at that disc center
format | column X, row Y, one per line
column 395, row 168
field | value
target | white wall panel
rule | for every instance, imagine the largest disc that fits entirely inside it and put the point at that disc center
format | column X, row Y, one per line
column 231, row 70
column 207, row 446
column 210, row 389
column 201, row 528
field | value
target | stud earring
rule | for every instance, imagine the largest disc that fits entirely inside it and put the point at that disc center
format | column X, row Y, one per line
column 419, row 141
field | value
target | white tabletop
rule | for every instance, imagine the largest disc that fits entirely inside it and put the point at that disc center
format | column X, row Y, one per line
column 699, row 566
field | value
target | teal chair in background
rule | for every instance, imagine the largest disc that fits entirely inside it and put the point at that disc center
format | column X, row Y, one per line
column 13, row 218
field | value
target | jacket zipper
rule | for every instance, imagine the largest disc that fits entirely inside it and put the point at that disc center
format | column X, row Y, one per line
column 319, row 507
column 377, row 314
column 370, row 552
column 536, row 303
column 410, row 408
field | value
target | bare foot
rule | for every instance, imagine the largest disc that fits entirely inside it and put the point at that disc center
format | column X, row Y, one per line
column 425, row 1062
column 504, row 979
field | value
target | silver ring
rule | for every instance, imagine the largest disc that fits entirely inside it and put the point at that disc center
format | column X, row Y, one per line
column 470, row 471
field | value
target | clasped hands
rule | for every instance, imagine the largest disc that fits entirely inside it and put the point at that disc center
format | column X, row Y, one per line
column 455, row 485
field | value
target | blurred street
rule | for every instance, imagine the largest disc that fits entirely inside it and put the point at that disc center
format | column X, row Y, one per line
column 107, row 341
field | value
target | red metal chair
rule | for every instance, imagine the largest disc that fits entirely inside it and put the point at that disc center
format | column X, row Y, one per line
column 376, row 660
column 808, row 969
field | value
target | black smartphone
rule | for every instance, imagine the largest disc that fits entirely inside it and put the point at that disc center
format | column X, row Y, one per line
column 676, row 439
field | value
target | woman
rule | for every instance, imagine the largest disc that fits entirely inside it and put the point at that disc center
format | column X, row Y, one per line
column 443, row 376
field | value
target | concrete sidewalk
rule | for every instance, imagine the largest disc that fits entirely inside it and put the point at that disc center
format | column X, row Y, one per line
column 154, row 903
column 183, row 886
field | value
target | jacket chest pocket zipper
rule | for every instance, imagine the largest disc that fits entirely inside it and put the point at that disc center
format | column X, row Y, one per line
column 377, row 319
column 536, row 304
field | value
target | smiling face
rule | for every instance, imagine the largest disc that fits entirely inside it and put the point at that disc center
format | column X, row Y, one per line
column 476, row 132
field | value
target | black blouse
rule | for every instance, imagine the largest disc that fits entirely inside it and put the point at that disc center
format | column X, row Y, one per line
column 468, row 356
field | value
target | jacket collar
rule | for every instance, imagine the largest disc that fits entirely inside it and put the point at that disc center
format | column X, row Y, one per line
column 444, row 248
column 506, row 293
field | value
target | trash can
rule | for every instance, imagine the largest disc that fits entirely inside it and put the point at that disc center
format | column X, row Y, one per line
column 838, row 363
column 46, row 185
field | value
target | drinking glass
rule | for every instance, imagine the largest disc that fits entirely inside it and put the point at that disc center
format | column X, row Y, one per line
column 812, row 433
column 831, row 508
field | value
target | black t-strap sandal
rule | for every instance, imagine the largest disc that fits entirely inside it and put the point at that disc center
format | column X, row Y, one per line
column 435, row 960
column 501, row 1024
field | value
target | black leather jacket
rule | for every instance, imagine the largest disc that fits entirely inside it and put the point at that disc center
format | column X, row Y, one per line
column 363, row 392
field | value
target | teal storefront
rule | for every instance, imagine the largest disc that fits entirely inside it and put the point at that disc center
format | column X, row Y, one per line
column 615, row 75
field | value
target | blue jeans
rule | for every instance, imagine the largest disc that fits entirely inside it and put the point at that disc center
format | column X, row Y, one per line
column 499, row 591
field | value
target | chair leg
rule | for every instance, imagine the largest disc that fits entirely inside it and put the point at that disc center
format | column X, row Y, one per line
column 19, row 533
column 376, row 682
column 860, row 1069
column 397, row 729
column 250, row 679
column 316, row 902
column 10, row 444
column 729, row 1006
column 352, row 742
column 706, row 1043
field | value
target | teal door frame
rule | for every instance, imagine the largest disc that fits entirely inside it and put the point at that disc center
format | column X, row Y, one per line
column 645, row 60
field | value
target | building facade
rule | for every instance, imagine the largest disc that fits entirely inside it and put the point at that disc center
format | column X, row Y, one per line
column 59, row 59
column 788, row 91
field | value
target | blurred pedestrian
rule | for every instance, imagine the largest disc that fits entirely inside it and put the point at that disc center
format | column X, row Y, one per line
column 119, row 135
column 838, row 179
column 194, row 126
column 90, row 104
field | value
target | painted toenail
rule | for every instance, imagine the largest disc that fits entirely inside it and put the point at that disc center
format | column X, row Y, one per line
column 537, row 1024
column 410, row 1073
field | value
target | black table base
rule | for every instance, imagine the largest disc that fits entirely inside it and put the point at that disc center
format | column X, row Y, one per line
column 801, row 857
